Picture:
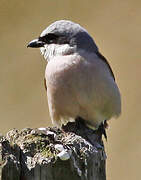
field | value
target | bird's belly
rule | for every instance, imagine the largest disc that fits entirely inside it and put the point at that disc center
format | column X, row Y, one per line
column 81, row 91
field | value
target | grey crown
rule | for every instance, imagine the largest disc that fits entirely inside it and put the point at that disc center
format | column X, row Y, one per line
column 73, row 33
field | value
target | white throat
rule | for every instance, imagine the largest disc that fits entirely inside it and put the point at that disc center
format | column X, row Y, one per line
column 51, row 50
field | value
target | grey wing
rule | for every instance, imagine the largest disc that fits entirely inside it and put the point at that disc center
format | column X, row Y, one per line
column 105, row 60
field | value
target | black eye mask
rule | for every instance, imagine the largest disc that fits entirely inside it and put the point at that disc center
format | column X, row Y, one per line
column 54, row 39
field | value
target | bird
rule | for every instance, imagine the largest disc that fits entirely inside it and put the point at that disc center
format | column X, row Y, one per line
column 78, row 78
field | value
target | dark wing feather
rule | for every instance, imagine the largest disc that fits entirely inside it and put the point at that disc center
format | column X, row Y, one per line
column 45, row 83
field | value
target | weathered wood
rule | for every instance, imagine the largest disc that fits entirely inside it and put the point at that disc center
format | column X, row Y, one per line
column 51, row 154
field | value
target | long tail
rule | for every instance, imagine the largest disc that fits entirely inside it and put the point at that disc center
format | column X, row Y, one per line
column 102, row 129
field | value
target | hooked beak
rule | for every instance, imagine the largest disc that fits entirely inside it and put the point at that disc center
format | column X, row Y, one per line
column 36, row 43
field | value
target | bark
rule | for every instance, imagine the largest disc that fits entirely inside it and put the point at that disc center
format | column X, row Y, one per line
column 52, row 154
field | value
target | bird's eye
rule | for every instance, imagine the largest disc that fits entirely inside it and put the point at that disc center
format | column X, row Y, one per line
column 54, row 39
column 49, row 38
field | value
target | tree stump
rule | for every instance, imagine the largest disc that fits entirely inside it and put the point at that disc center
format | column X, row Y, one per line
column 52, row 154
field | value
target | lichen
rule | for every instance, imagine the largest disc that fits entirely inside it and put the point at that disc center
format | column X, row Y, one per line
column 45, row 145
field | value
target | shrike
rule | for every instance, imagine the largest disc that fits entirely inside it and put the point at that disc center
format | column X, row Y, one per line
column 79, row 80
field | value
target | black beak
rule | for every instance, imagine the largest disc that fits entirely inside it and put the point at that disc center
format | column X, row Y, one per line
column 36, row 43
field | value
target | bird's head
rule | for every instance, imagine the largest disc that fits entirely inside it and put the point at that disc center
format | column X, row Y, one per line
column 63, row 37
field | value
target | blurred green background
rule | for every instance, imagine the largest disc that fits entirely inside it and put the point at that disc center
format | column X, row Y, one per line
column 115, row 26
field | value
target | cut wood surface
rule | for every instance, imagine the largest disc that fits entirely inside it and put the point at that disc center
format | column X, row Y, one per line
column 51, row 154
